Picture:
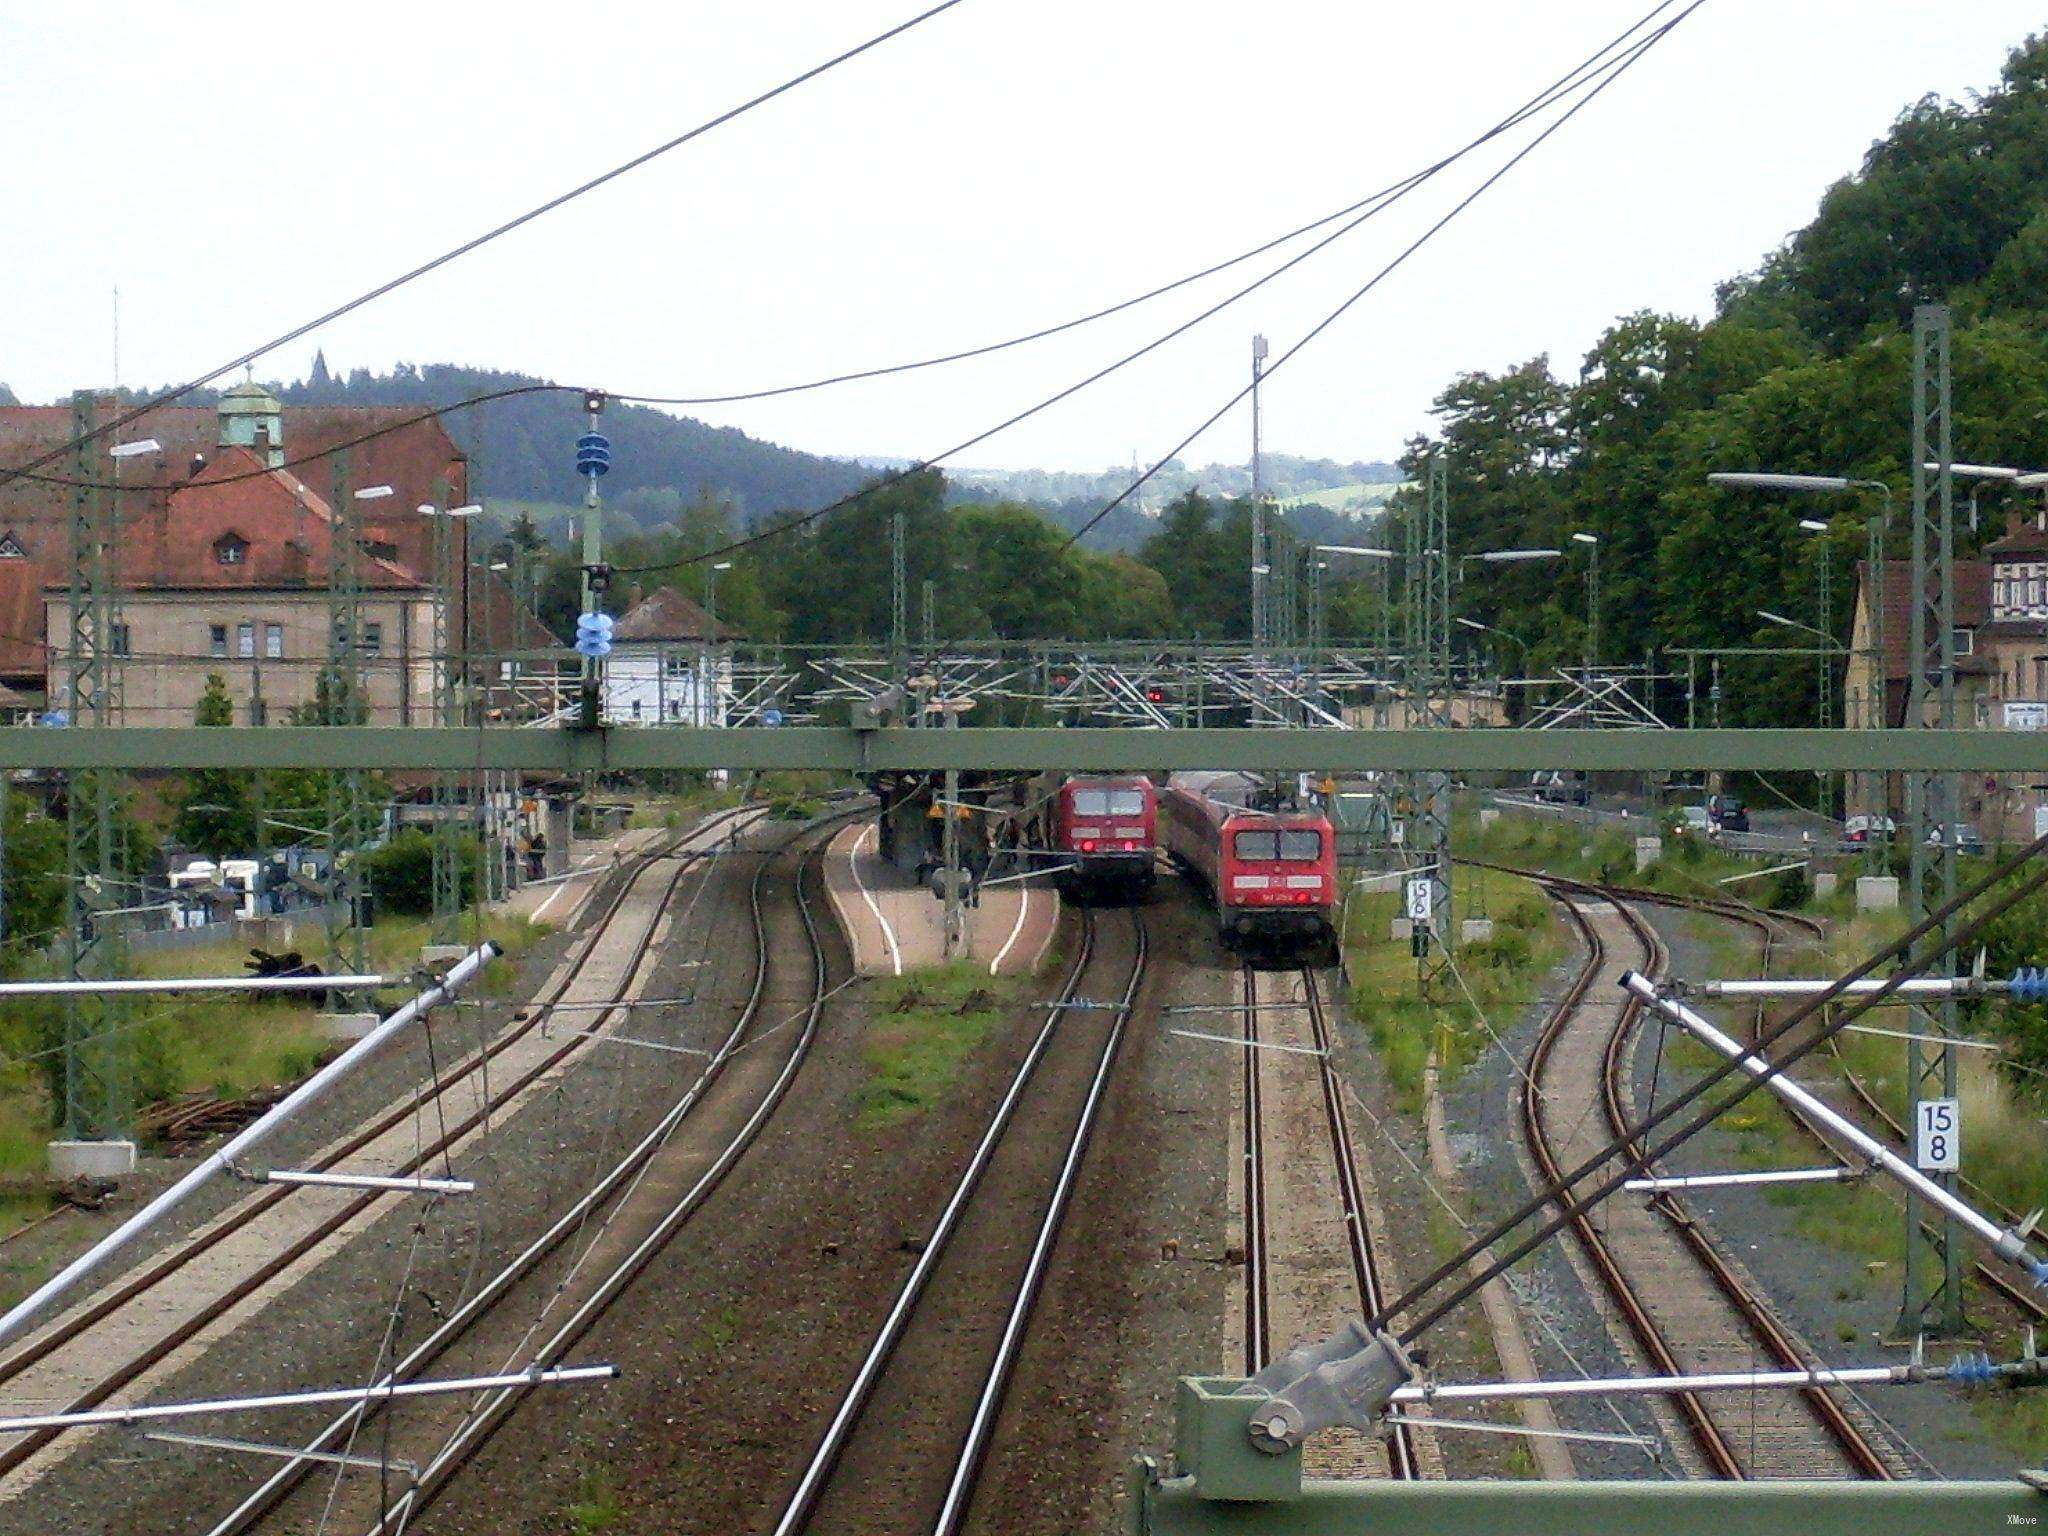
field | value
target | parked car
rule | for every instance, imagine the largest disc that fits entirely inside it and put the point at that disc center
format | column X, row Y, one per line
column 1561, row 788
column 1857, row 831
column 1693, row 821
column 1728, row 813
column 1963, row 836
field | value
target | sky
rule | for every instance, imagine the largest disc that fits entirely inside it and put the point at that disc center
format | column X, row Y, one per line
column 236, row 170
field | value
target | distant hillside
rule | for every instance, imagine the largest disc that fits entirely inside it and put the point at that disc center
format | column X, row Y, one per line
column 1287, row 478
column 526, row 446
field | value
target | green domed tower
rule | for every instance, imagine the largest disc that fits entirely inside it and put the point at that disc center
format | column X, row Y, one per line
column 250, row 417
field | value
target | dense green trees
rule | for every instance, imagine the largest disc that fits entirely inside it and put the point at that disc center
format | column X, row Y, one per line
column 1806, row 367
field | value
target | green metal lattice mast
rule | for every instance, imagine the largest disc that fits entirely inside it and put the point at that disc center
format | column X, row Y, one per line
column 98, row 1086
column 348, row 831
column 1933, row 1298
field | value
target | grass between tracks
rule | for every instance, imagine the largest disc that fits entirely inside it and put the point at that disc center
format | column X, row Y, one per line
column 923, row 1027
column 2005, row 1152
column 1492, row 982
column 221, row 1043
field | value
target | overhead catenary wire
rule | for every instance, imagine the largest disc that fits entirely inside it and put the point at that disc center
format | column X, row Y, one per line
column 1571, row 80
column 455, row 253
column 1612, row 71
column 1632, row 1162
column 1615, row 70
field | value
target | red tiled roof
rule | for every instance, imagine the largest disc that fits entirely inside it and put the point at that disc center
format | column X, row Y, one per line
column 1973, row 606
column 2026, row 537
column 410, row 459
column 668, row 615
column 284, row 528
column 498, row 621
column 22, row 654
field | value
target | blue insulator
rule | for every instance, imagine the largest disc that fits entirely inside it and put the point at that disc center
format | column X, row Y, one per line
column 2040, row 1269
column 2029, row 983
column 1971, row 1366
column 593, row 454
column 594, row 634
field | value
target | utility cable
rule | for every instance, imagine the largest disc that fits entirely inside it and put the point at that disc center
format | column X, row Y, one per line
column 1614, row 72
column 1571, row 80
column 1613, row 69
column 476, row 242
column 1634, row 1161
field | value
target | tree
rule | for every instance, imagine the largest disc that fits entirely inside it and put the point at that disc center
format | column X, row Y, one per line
column 216, row 814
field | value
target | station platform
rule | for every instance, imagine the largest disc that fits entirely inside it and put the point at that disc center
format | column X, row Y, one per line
column 894, row 925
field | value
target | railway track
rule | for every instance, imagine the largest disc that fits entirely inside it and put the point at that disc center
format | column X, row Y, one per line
column 905, row 1443
column 1309, row 1254
column 651, row 1199
column 1769, row 926
column 116, row 1337
column 1680, row 1301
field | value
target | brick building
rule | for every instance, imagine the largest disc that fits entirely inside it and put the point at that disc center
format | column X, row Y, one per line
column 223, row 543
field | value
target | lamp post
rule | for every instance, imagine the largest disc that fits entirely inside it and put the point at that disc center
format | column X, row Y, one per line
column 706, row 681
column 1592, row 543
column 1871, row 709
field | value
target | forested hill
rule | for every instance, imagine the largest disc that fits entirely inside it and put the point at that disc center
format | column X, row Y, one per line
column 1805, row 367
column 528, row 443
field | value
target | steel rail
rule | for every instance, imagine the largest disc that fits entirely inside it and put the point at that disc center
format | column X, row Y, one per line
column 256, row 1505
column 988, row 1405
column 1401, row 1453
column 1258, row 1327
column 796, row 1513
column 1835, row 1421
column 1720, row 1456
column 2018, row 1292
column 484, row 1421
column 95, row 1311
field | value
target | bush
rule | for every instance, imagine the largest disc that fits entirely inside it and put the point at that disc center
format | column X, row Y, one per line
column 400, row 874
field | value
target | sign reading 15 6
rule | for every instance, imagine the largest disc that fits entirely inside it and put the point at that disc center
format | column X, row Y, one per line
column 1938, row 1142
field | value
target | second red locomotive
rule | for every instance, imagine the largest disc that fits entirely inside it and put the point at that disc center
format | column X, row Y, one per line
column 1271, row 874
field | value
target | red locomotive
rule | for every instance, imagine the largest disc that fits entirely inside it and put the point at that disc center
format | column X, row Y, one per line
column 1101, row 829
column 1272, row 874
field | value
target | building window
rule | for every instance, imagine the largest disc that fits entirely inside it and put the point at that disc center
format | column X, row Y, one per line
column 636, row 709
column 677, row 666
column 273, row 641
column 373, row 639
column 119, row 639
column 245, row 640
column 10, row 547
column 259, row 712
column 1964, row 640
column 217, row 639
column 231, row 549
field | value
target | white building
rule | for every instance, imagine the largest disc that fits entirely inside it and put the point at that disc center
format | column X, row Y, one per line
column 671, row 664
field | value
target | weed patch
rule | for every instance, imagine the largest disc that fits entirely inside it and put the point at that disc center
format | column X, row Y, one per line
column 923, row 1027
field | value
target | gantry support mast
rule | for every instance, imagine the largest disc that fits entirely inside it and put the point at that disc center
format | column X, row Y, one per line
column 98, row 1081
column 1933, row 1291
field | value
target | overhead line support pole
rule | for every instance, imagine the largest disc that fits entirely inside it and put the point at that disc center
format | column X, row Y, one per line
column 1932, row 1301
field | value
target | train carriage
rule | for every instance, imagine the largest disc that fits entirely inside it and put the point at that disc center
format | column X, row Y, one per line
column 1100, row 832
column 1271, row 874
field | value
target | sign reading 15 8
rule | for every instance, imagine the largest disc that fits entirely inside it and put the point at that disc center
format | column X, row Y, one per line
column 1938, row 1142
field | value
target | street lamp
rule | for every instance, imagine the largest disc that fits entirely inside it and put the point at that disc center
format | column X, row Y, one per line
column 1872, row 705
column 1592, row 543
column 135, row 449
column 1382, row 558
column 1778, row 618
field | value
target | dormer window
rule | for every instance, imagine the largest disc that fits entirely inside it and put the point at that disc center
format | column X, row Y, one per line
column 10, row 547
column 231, row 549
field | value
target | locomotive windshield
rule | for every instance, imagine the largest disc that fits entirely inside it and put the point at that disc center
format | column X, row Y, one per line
column 1109, row 802
column 1295, row 843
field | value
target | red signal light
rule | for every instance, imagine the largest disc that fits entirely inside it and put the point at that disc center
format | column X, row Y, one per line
column 1087, row 845
column 1155, row 695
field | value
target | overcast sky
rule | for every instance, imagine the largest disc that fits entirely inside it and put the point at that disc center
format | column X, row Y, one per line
column 237, row 169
